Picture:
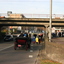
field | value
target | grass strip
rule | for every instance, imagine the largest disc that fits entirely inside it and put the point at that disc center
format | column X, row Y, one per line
column 49, row 62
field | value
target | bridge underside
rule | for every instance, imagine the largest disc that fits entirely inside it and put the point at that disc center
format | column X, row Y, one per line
column 31, row 23
column 21, row 25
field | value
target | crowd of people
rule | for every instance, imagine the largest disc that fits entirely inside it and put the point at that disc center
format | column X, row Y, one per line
column 35, row 38
column 58, row 34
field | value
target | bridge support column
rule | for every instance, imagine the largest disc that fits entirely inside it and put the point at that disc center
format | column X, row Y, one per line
column 46, row 26
column 0, row 32
column 0, row 28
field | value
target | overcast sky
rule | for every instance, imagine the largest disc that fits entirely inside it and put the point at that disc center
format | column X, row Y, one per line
column 32, row 6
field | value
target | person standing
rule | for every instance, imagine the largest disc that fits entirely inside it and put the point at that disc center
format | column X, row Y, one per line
column 39, row 37
column 21, row 35
column 37, row 40
column 33, row 40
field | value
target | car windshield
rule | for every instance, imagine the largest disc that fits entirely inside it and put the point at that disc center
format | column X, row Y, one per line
column 8, row 36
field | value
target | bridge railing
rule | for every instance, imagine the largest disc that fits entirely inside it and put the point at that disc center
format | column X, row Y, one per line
column 36, row 15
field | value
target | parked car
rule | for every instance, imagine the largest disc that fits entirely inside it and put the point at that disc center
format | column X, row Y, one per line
column 8, row 38
column 15, row 35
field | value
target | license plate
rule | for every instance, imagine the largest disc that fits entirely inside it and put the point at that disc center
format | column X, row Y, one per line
column 19, row 45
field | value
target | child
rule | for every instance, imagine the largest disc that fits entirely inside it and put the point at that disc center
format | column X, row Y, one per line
column 37, row 40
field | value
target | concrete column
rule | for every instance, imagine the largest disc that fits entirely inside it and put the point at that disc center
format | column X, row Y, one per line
column 50, row 23
column 46, row 26
column 0, row 28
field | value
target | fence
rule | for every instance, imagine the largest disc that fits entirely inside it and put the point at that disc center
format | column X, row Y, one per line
column 36, row 15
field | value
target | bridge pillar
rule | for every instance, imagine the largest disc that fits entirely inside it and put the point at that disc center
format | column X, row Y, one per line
column 0, row 28
column 46, row 26
column 0, row 31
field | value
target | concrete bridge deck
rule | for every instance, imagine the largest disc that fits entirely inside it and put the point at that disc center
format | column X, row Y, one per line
column 31, row 21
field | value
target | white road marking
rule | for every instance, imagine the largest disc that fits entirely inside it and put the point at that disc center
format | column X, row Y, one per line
column 30, row 56
column 6, row 48
column 31, row 50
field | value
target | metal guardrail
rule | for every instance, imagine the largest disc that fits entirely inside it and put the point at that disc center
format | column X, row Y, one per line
column 36, row 15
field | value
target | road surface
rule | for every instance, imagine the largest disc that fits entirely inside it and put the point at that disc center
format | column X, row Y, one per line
column 20, row 56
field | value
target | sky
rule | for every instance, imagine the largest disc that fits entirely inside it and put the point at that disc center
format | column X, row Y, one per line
column 32, row 6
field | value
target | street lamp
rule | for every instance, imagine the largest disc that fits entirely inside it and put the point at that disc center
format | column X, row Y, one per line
column 50, row 24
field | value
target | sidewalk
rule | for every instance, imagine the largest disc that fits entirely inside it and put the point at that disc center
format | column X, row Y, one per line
column 42, row 57
column 59, row 40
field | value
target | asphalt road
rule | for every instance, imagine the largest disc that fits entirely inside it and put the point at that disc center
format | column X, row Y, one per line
column 20, row 56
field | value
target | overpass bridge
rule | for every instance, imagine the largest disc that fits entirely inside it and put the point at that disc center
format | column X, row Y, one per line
column 56, row 22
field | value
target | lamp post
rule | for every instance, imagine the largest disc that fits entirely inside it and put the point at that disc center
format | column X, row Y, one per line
column 50, row 24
